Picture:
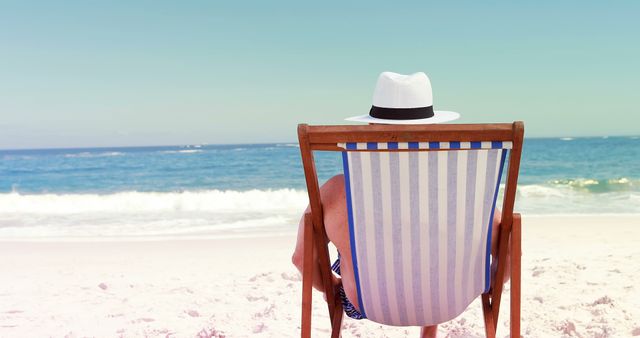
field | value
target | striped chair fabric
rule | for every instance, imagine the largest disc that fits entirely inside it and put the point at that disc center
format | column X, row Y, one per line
column 419, row 224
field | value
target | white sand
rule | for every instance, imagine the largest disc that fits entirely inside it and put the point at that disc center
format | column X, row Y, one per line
column 579, row 280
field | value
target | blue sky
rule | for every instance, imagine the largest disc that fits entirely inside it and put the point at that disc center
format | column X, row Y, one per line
column 88, row 73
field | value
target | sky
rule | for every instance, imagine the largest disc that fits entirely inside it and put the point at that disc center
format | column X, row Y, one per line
column 130, row 73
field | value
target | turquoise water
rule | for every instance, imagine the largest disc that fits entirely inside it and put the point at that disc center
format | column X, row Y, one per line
column 243, row 189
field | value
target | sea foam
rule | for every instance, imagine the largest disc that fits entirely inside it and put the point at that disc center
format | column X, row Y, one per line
column 230, row 201
column 211, row 213
column 221, row 213
column 86, row 154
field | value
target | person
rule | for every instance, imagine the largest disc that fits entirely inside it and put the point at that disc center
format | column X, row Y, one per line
column 397, row 99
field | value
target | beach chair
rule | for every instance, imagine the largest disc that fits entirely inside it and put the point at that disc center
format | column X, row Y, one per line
column 420, row 201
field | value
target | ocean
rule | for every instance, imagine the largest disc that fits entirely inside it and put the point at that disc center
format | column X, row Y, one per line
column 197, row 191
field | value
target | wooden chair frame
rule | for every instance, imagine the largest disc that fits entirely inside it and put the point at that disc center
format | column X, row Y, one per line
column 326, row 138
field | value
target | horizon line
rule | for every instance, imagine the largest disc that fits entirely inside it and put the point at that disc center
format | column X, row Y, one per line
column 268, row 143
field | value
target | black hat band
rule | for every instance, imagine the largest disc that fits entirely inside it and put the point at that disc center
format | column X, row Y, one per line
column 401, row 113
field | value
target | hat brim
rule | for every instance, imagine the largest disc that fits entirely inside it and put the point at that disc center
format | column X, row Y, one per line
column 439, row 116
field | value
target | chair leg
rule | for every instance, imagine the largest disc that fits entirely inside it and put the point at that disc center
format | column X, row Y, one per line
column 318, row 242
column 324, row 268
column 336, row 324
column 498, row 278
column 516, row 270
column 307, row 277
column 489, row 324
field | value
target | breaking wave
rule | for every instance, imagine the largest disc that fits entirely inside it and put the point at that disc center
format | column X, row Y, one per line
column 86, row 154
column 580, row 196
column 132, row 214
column 185, row 151
column 230, row 201
column 253, row 212
column 599, row 185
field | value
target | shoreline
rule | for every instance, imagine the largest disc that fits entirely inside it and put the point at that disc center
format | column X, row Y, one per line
column 150, row 238
column 280, row 232
column 577, row 277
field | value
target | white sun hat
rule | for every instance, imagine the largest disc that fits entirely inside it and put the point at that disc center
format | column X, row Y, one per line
column 404, row 99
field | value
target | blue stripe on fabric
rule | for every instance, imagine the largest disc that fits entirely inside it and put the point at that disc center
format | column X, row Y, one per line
column 490, row 173
column 372, row 145
column 434, row 145
column 434, row 236
column 352, row 146
column 414, row 200
column 392, row 145
column 413, row 145
column 454, row 145
column 496, row 145
column 352, row 240
column 452, row 218
column 378, row 230
column 472, row 165
column 396, row 234
column 357, row 193
column 493, row 209
column 476, row 145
